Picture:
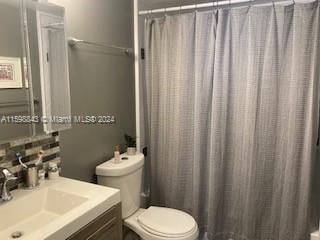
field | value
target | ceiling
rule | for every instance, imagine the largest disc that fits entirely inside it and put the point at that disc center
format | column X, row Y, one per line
column 154, row 4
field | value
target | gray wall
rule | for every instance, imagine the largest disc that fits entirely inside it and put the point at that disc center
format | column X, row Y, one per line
column 102, row 83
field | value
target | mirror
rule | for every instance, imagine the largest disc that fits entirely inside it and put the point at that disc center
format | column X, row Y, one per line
column 34, row 77
column 14, row 86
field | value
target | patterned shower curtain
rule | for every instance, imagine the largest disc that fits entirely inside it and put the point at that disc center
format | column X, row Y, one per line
column 232, row 101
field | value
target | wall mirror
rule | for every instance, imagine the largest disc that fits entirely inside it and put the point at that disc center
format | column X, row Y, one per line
column 34, row 78
column 14, row 86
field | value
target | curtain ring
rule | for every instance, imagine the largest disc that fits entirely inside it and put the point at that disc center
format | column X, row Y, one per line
column 195, row 5
column 293, row 2
column 180, row 7
column 229, row 4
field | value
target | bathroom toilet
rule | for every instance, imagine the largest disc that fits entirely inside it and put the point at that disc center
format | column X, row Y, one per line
column 154, row 223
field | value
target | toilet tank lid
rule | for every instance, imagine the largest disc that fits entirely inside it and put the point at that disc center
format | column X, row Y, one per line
column 111, row 169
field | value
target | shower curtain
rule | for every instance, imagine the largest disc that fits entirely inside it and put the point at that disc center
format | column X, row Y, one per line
column 232, row 106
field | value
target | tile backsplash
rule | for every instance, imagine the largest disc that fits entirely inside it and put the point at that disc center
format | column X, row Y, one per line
column 29, row 148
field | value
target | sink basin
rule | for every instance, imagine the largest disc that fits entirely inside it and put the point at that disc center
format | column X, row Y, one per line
column 35, row 210
column 55, row 210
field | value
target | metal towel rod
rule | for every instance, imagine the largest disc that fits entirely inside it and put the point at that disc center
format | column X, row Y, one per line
column 74, row 42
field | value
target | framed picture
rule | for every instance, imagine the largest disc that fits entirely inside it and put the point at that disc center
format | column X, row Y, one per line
column 10, row 72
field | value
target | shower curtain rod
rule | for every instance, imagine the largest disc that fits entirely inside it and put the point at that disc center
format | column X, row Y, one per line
column 210, row 4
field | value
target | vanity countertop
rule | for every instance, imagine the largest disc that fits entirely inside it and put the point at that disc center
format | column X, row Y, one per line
column 54, row 210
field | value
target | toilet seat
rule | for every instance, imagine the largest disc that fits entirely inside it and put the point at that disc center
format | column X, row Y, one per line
column 156, row 223
column 167, row 222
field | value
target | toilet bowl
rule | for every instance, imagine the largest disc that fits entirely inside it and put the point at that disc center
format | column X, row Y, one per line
column 154, row 223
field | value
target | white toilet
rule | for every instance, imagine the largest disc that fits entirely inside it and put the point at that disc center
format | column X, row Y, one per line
column 154, row 223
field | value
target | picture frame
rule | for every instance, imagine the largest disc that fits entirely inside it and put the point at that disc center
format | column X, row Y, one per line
column 10, row 73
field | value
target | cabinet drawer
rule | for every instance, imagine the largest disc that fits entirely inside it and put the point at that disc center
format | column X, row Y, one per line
column 107, row 230
column 108, row 224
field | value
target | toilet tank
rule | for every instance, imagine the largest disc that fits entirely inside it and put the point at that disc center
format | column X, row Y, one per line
column 125, row 176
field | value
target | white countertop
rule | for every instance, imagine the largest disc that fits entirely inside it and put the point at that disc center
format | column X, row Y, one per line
column 55, row 210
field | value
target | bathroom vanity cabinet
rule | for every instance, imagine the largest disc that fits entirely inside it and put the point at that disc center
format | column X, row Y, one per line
column 106, row 226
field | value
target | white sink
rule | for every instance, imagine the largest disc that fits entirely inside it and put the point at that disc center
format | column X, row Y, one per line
column 55, row 210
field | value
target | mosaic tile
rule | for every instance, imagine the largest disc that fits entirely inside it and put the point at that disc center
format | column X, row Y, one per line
column 2, row 152
column 29, row 149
